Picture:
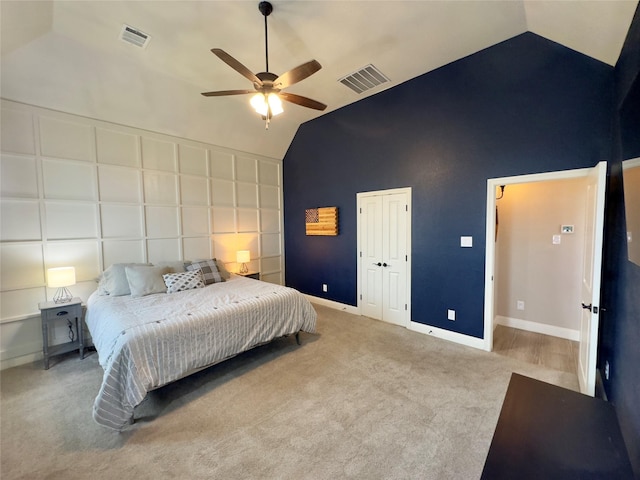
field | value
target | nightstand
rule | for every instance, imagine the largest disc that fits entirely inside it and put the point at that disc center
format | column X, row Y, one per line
column 51, row 312
column 254, row 275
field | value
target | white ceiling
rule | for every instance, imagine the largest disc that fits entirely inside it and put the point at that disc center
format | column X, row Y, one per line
column 67, row 55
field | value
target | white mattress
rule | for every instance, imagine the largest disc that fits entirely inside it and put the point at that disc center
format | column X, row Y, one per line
column 146, row 342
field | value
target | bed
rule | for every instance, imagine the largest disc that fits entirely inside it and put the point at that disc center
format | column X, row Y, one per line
column 145, row 342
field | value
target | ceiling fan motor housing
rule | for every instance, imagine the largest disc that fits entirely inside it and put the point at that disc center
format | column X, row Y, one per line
column 267, row 79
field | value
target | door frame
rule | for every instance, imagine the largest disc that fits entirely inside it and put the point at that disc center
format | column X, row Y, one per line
column 492, row 185
column 391, row 191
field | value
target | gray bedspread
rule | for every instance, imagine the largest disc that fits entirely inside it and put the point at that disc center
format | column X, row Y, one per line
column 147, row 342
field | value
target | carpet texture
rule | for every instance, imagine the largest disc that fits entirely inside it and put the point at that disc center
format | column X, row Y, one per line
column 361, row 399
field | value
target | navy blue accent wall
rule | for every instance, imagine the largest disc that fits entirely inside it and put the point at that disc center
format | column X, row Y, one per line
column 620, row 323
column 526, row 105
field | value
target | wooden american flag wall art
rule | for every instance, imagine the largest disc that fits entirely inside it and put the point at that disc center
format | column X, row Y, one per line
column 322, row 221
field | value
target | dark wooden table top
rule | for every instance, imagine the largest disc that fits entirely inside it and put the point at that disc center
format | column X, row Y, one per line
column 548, row 432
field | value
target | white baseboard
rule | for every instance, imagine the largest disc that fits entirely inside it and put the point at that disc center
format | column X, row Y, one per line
column 537, row 327
column 447, row 335
column 335, row 305
column 21, row 360
column 414, row 326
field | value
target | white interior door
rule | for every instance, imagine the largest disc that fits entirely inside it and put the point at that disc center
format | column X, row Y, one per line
column 594, row 224
column 384, row 259
column 394, row 255
column 371, row 256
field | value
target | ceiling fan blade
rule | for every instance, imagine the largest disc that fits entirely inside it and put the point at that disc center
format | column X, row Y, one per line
column 302, row 101
column 236, row 65
column 296, row 74
column 227, row 92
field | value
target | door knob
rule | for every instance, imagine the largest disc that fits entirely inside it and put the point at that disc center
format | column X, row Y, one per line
column 386, row 265
column 587, row 307
column 378, row 264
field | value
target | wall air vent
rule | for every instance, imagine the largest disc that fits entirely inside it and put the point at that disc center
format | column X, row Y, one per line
column 364, row 79
column 134, row 36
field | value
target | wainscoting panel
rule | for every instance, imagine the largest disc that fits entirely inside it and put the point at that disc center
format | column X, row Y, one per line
column 86, row 193
column 19, row 176
column 20, row 220
column 68, row 138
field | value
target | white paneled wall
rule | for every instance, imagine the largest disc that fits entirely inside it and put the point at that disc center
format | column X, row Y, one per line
column 86, row 193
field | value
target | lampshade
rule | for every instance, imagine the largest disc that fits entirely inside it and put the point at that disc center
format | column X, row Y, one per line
column 61, row 277
column 243, row 256
column 263, row 104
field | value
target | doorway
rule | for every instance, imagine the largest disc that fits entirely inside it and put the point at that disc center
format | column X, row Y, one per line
column 384, row 259
column 539, row 246
column 584, row 271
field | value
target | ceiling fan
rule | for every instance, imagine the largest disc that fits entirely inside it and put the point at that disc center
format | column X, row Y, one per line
column 268, row 86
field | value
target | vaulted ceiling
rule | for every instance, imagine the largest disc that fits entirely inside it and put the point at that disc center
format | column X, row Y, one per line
column 68, row 56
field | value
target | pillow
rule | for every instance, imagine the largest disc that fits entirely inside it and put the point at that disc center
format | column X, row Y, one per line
column 113, row 280
column 179, row 282
column 174, row 267
column 146, row 280
column 209, row 270
column 224, row 273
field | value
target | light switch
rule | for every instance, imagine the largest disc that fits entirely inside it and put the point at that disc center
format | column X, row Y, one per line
column 556, row 239
column 466, row 241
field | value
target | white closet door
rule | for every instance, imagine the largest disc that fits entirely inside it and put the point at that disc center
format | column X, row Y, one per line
column 384, row 257
column 371, row 259
column 394, row 254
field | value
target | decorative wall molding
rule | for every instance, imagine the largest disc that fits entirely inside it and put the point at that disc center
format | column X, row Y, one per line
column 86, row 193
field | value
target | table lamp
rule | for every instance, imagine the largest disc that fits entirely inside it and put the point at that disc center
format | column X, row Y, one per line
column 61, row 278
column 242, row 257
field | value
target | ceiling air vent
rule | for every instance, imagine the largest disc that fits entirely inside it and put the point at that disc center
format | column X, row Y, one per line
column 135, row 37
column 364, row 79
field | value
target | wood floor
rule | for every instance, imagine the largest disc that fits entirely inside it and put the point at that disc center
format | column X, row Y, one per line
column 551, row 352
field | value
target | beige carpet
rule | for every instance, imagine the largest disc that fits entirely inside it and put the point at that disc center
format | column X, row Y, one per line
column 362, row 399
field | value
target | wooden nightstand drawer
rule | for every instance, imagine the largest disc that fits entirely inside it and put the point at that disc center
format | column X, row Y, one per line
column 62, row 313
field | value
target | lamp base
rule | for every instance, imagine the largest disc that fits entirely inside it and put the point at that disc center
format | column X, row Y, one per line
column 63, row 295
column 244, row 268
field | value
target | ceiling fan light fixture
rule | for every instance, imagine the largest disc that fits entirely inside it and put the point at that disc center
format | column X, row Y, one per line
column 267, row 105
column 275, row 104
column 268, row 96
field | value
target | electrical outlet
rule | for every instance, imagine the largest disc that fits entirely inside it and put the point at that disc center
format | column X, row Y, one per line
column 451, row 315
column 607, row 370
column 520, row 304
column 324, row 287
